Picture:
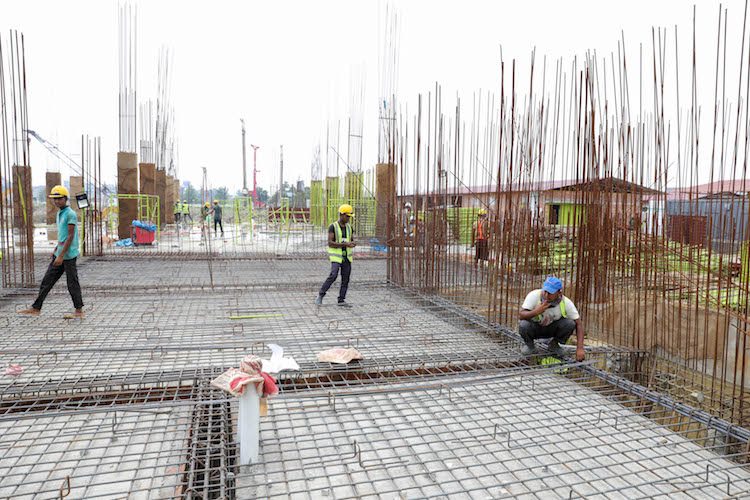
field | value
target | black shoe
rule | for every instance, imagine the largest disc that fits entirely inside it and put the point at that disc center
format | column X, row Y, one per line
column 555, row 349
column 344, row 304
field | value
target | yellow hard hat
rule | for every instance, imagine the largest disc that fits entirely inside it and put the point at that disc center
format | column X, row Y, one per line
column 216, row 202
column 346, row 209
column 482, row 211
column 59, row 192
column 207, row 204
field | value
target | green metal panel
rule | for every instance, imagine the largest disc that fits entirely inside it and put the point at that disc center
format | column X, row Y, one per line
column 570, row 214
column 317, row 204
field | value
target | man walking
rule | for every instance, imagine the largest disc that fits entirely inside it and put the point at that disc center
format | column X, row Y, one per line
column 63, row 258
column 547, row 313
column 340, row 249
column 217, row 218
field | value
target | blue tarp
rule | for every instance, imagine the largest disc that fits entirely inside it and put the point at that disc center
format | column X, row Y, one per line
column 145, row 226
column 127, row 242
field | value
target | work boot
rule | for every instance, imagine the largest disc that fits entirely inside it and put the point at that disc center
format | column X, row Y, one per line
column 30, row 311
column 528, row 349
column 344, row 304
column 555, row 349
column 319, row 300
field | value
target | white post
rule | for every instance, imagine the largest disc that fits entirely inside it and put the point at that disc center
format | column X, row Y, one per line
column 248, row 425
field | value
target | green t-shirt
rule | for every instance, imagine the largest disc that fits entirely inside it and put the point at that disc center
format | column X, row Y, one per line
column 66, row 216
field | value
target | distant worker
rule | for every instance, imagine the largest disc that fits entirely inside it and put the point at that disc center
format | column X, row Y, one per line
column 547, row 313
column 340, row 253
column 177, row 212
column 63, row 258
column 479, row 237
column 217, row 217
column 186, row 212
column 407, row 220
column 205, row 223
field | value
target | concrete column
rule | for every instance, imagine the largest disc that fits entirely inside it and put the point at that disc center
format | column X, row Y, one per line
column 52, row 179
column 22, row 201
column 127, row 183
column 176, row 190
column 76, row 187
column 147, row 178
column 161, row 192
column 168, row 215
column 385, row 199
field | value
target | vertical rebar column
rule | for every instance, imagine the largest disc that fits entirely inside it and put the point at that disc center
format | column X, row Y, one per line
column 52, row 179
column 169, row 200
column 161, row 191
column 23, row 220
column 385, row 195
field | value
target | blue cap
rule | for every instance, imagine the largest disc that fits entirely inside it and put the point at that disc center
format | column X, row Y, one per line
column 552, row 285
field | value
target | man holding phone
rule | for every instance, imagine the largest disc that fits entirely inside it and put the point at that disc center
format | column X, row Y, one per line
column 547, row 313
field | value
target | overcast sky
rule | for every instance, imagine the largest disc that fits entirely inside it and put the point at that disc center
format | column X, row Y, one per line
column 287, row 66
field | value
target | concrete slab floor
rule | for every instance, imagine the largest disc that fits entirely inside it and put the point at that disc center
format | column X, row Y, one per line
column 482, row 440
column 477, row 433
column 129, row 453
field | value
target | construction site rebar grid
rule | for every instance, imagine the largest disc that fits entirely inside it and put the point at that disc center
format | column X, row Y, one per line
column 443, row 402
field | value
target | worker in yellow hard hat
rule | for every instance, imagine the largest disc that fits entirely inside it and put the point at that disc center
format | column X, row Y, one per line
column 177, row 212
column 216, row 211
column 186, row 212
column 63, row 258
column 340, row 253
column 205, row 222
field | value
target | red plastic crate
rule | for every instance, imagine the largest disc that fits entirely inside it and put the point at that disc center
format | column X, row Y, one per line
column 142, row 237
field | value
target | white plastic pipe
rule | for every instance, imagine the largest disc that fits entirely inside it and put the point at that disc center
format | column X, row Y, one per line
column 248, row 425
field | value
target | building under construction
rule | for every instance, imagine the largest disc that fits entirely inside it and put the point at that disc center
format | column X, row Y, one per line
column 575, row 181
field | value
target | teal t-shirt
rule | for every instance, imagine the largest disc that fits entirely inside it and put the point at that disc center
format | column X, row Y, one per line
column 67, row 216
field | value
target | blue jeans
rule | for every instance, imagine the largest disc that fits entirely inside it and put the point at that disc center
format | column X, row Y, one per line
column 346, row 271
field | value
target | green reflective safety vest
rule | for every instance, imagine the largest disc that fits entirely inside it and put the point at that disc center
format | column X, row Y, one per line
column 177, row 208
column 564, row 313
column 337, row 254
column 185, row 208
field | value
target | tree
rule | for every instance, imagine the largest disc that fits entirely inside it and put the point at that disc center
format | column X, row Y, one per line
column 191, row 194
column 221, row 193
column 262, row 195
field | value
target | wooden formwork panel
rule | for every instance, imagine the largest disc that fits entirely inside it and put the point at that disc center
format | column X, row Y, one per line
column 127, row 183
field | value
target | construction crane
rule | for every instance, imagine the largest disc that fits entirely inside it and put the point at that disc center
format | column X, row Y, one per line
column 74, row 167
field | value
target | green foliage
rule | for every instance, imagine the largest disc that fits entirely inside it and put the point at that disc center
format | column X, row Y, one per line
column 221, row 193
column 191, row 194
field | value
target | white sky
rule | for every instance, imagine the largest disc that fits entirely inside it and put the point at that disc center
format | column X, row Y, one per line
column 286, row 66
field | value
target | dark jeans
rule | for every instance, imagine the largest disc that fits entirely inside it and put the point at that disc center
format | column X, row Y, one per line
column 218, row 221
column 482, row 250
column 346, row 271
column 50, row 278
column 559, row 330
